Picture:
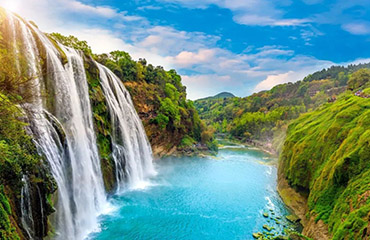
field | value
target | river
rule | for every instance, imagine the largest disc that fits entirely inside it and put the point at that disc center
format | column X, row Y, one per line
column 221, row 197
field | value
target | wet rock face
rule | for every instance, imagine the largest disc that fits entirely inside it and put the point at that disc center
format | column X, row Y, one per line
column 41, row 210
column 30, row 207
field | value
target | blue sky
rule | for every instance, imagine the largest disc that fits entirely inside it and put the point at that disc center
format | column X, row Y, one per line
column 241, row 46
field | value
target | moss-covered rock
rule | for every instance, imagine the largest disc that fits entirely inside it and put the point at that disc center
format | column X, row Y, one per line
column 257, row 235
column 102, row 123
column 267, row 227
column 7, row 230
column 292, row 218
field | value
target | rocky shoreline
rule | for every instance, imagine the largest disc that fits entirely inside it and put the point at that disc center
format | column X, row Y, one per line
column 298, row 204
column 160, row 151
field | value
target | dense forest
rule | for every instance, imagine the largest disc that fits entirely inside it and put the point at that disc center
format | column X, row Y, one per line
column 264, row 116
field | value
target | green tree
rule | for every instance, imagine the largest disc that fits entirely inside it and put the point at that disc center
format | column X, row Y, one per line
column 359, row 79
column 171, row 92
column 73, row 42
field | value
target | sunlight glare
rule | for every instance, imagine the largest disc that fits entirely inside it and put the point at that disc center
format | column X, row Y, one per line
column 11, row 5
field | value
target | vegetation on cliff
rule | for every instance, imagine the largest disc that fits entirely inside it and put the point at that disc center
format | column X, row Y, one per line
column 326, row 156
column 170, row 120
column 19, row 158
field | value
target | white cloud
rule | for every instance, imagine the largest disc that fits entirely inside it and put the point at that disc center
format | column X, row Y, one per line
column 250, row 12
column 357, row 28
column 273, row 80
column 151, row 40
column 186, row 58
column 350, row 15
column 207, row 85
column 103, row 11
column 77, row 6
column 257, row 20
column 273, row 51
column 357, row 61
column 149, row 7
column 98, row 39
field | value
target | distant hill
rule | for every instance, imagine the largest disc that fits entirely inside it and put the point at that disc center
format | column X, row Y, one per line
column 218, row 96
column 262, row 116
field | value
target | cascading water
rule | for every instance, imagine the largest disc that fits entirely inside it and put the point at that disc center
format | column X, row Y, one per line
column 26, row 208
column 64, row 133
column 75, row 162
column 132, row 153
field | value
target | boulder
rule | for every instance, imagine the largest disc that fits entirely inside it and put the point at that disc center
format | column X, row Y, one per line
column 293, row 218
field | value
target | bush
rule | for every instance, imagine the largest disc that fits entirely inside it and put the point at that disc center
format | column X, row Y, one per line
column 186, row 142
column 359, row 79
column 161, row 120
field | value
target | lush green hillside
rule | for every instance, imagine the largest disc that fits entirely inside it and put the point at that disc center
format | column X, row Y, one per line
column 221, row 95
column 171, row 121
column 326, row 157
column 263, row 116
column 339, row 73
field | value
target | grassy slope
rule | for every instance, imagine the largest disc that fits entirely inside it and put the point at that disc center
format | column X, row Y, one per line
column 326, row 154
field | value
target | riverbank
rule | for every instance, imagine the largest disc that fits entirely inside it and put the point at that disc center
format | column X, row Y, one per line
column 298, row 204
column 263, row 146
column 160, row 151
column 266, row 146
column 295, row 201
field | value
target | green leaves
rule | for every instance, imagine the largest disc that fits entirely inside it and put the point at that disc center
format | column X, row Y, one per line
column 162, row 120
column 171, row 110
column 359, row 79
column 171, row 92
column 17, row 151
column 73, row 42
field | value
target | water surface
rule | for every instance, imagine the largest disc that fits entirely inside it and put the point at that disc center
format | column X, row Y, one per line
column 199, row 198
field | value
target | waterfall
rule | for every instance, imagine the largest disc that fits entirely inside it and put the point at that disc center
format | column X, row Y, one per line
column 26, row 208
column 63, row 130
column 132, row 153
column 14, row 43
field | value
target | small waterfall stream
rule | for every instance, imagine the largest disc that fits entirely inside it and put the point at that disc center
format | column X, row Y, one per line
column 26, row 209
column 63, row 129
